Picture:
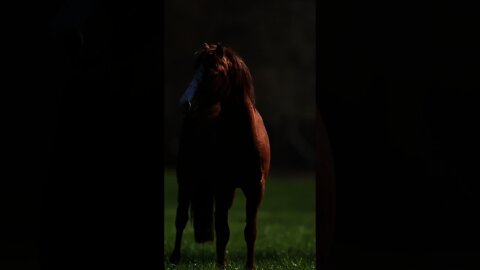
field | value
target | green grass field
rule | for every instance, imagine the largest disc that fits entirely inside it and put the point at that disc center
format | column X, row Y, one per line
column 286, row 228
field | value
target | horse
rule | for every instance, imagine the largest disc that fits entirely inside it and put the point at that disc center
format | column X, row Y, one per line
column 224, row 145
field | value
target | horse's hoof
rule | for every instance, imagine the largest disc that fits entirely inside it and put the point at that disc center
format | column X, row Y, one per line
column 222, row 265
column 250, row 267
column 175, row 257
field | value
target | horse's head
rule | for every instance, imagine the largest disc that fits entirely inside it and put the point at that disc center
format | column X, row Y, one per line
column 220, row 77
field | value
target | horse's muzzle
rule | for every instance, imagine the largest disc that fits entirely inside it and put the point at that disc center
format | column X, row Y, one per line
column 186, row 106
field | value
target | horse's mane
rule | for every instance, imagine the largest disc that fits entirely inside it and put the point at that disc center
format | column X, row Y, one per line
column 240, row 78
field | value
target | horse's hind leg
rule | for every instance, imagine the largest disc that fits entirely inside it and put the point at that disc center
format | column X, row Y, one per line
column 180, row 221
column 223, row 202
column 254, row 198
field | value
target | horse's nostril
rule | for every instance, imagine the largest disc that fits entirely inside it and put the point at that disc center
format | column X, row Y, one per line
column 186, row 106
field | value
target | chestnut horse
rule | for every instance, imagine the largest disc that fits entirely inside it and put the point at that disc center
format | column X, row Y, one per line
column 224, row 145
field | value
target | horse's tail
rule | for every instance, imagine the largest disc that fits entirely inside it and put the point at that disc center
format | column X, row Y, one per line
column 201, row 212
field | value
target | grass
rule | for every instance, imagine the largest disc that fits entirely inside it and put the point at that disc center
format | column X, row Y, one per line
column 286, row 228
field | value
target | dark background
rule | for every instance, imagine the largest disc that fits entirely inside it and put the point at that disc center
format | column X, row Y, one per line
column 84, row 188
column 395, row 91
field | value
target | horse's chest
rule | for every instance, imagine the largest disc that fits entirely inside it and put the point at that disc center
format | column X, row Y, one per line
column 228, row 146
column 234, row 155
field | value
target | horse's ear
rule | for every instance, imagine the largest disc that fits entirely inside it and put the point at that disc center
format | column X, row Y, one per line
column 219, row 50
column 205, row 45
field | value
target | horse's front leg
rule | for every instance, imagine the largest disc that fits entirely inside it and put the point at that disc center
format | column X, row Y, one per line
column 180, row 221
column 223, row 202
column 254, row 198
